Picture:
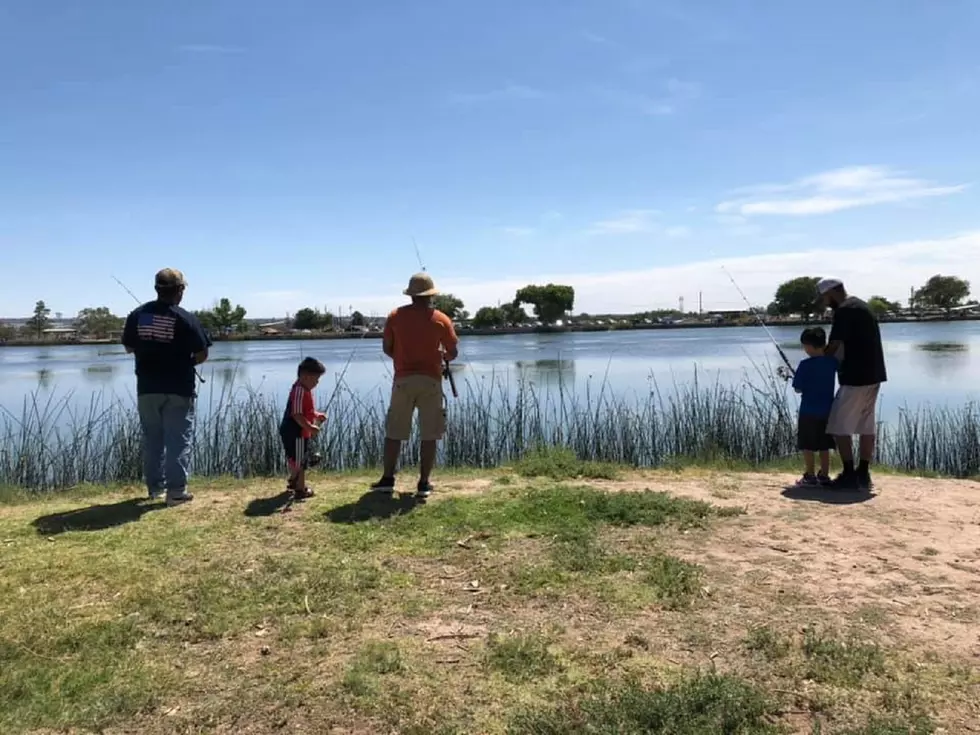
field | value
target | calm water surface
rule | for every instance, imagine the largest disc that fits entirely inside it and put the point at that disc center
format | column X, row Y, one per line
column 934, row 364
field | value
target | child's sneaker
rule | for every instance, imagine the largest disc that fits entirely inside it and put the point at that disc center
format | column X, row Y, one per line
column 384, row 485
column 302, row 493
column 823, row 479
column 423, row 491
column 808, row 480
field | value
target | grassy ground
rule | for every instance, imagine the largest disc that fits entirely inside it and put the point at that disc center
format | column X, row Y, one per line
column 553, row 597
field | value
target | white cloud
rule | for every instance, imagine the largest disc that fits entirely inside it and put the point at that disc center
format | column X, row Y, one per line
column 833, row 191
column 505, row 93
column 629, row 222
column 887, row 270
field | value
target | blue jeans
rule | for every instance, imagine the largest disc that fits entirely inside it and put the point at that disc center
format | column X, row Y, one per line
column 168, row 429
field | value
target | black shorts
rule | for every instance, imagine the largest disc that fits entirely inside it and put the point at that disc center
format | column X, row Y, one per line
column 812, row 436
column 297, row 449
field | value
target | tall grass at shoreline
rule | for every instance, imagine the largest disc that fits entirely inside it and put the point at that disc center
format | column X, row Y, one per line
column 54, row 444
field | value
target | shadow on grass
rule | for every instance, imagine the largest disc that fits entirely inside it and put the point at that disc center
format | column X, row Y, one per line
column 373, row 505
column 826, row 495
column 260, row 507
column 95, row 517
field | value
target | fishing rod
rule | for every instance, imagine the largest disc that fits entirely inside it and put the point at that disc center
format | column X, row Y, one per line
column 446, row 371
column 761, row 321
column 140, row 303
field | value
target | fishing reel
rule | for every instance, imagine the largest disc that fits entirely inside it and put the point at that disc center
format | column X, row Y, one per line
column 784, row 372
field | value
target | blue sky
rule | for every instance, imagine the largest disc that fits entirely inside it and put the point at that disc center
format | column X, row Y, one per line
column 286, row 153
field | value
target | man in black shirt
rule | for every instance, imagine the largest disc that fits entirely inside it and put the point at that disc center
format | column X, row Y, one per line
column 168, row 343
column 855, row 340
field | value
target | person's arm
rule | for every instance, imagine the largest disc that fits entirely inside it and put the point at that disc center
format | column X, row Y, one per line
column 130, row 338
column 450, row 341
column 198, row 339
column 798, row 377
column 839, row 331
column 299, row 409
column 388, row 337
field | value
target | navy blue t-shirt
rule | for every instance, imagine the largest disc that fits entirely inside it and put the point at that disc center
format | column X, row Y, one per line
column 815, row 377
column 164, row 339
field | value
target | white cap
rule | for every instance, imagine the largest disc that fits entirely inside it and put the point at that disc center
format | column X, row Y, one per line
column 828, row 284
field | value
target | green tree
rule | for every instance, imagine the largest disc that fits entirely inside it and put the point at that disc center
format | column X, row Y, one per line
column 513, row 314
column 7, row 332
column 448, row 305
column 40, row 319
column 98, row 322
column 797, row 296
column 942, row 292
column 489, row 316
column 312, row 319
column 357, row 319
column 223, row 318
column 880, row 306
column 550, row 302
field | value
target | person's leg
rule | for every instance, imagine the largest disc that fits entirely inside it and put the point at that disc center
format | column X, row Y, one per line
column 151, row 422
column 841, row 425
column 432, row 427
column 824, row 464
column 808, row 464
column 398, row 428
column 866, row 429
column 178, row 434
column 301, row 490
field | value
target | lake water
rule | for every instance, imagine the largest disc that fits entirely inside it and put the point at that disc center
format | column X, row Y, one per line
column 928, row 364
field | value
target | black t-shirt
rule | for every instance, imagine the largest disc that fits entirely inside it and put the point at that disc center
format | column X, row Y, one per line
column 164, row 339
column 863, row 359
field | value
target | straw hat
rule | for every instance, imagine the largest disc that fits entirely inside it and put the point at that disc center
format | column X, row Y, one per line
column 421, row 284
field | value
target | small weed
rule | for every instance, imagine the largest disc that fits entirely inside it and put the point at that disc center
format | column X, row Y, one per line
column 844, row 663
column 929, row 551
column 769, row 643
column 920, row 725
column 674, row 581
column 706, row 704
column 561, row 463
column 521, row 658
column 374, row 660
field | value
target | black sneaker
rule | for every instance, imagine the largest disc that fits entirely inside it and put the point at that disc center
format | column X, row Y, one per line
column 178, row 499
column 302, row 493
column 423, row 491
column 846, row 481
column 823, row 479
column 384, row 485
column 864, row 480
column 807, row 480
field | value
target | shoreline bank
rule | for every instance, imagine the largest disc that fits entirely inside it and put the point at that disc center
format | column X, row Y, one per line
column 490, row 332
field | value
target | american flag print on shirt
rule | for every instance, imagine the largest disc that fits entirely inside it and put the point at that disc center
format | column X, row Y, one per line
column 156, row 327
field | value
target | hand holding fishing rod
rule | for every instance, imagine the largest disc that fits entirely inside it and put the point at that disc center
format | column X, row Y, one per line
column 752, row 310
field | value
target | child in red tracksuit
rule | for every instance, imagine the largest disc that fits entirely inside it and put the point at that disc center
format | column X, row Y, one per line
column 301, row 422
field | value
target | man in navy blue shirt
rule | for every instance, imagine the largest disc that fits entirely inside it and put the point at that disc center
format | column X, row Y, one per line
column 814, row 381
column 168, row 343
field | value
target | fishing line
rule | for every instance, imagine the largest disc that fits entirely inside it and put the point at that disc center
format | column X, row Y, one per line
column 753, row 311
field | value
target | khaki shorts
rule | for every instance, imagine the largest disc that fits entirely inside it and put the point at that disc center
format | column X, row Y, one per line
column 853, row 411
column 416, row 392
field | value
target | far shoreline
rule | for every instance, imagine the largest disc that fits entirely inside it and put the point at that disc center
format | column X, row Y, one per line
column 490, row 332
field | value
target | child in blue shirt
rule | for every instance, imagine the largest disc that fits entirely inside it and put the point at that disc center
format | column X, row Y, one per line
column 814, row 381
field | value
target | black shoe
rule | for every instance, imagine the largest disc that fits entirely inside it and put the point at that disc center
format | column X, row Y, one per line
column 302, row 493
column 845, row 481
column 384, row 485
column 823, row 479
column 807, row 480
column 864, row 480
column 178, row 499
column 423, row 491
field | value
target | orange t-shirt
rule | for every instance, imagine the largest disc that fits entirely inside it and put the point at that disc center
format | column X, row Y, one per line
column 417, row 335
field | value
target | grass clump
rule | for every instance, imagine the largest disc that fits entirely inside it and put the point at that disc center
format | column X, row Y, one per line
column 704, row 704
column 767, row 642
column 674, row 582
column 521, row 658
column 375, row 660
column 841, row 662
column 561, row 463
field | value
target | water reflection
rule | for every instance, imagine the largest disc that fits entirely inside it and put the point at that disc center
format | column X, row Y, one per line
column 44, row 378
column 547, row 372
column 100, row 373
column 942, row 360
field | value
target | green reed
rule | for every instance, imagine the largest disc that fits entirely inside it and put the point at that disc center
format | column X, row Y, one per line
column 55, row 444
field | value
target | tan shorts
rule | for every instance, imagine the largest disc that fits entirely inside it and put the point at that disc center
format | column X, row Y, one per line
column 853, row 411
column 416, row 392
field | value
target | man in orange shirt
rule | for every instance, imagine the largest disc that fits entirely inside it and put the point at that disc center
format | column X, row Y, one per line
column 418, row 338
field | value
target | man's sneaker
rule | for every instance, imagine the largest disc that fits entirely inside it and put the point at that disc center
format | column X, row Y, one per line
column 384, row 485
column 846, row 481
column 173, row 500
column 302, row 493
column 808, row 480
column 155, row 494
column 423, row 491
column 864, row 480
column 823, row 479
